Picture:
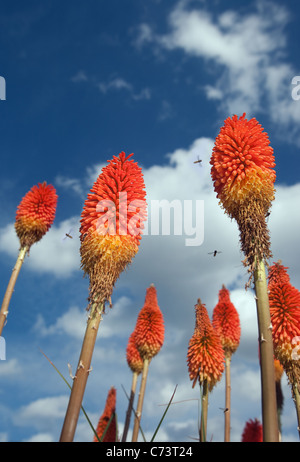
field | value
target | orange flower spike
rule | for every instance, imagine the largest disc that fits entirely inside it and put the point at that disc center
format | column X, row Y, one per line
column 205, row 356
column 133, row 356
column 149, row 330
column 253, row 432
column 108, row 415
column 242, row 164
column 243, row 175
column 277, row 273
column 35, row 214
column 285, row 317
column 226, row 321
column 111, row 224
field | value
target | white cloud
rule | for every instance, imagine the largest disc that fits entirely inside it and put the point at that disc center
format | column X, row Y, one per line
column 10, row 368
column 42, row 411
column 40, row 438
column 55, row 253
column 245, row 55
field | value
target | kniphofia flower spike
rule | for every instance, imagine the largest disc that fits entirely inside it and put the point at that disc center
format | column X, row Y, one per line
column 112, row 221
column 35, row 215
column 205, row 359
column 107, row 424
column 110, row 233
column 243, row 175
column 226, row 322
column 149, row 338
column 285, row 317
column 253, row 432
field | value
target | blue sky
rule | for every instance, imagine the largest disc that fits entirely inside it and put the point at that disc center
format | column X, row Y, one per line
column 85, row 81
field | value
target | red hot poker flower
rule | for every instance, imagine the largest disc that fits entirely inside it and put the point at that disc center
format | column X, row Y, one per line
column 108, row 417
column 242, row 164
column 226, row 321
column 205, row 356
column 243, row 175
column 111, row 224
column 133, row 356
column 253, row 432
column 149, row 330
column 35, row 214
column 284, row 302
column 277, row 274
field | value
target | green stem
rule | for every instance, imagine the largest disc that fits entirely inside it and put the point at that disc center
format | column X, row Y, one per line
column 204, row 411
column 130, row 406
column 297, row 403
column 139, row 408
column 227, row 397
column 269, row 405
column 11, row 286
column 82, row 372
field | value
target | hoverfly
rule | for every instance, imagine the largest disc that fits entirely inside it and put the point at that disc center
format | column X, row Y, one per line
column 214, row 253
column 68, row 234
column 198, row 161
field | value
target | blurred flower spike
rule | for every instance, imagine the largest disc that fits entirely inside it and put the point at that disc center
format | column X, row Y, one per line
column 35, row 214
column 107, row 424
column 253, row 432
column 112, row 221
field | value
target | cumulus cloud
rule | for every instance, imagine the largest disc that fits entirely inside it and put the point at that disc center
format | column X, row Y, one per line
column 246, row 54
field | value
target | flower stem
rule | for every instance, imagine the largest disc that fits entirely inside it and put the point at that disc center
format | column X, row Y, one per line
column 82, row 372
column 204, row 410
column 130, row 406
column 11, row 286
column 269, row 405
column 297, row 402
column 139, row 407
column 227, row 397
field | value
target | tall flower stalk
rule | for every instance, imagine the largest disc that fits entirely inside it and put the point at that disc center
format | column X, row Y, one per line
column 285, row 316
column 226, row 321
column 111, row 227
column 35, row 215
column 136, row 364
column 149, row 338
column 244, row 176
column 205, row 360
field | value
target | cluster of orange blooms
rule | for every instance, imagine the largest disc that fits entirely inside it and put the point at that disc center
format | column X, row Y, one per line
column 243, row 175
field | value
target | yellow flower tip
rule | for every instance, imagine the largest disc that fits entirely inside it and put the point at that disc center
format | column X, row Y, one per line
column 205, row 355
